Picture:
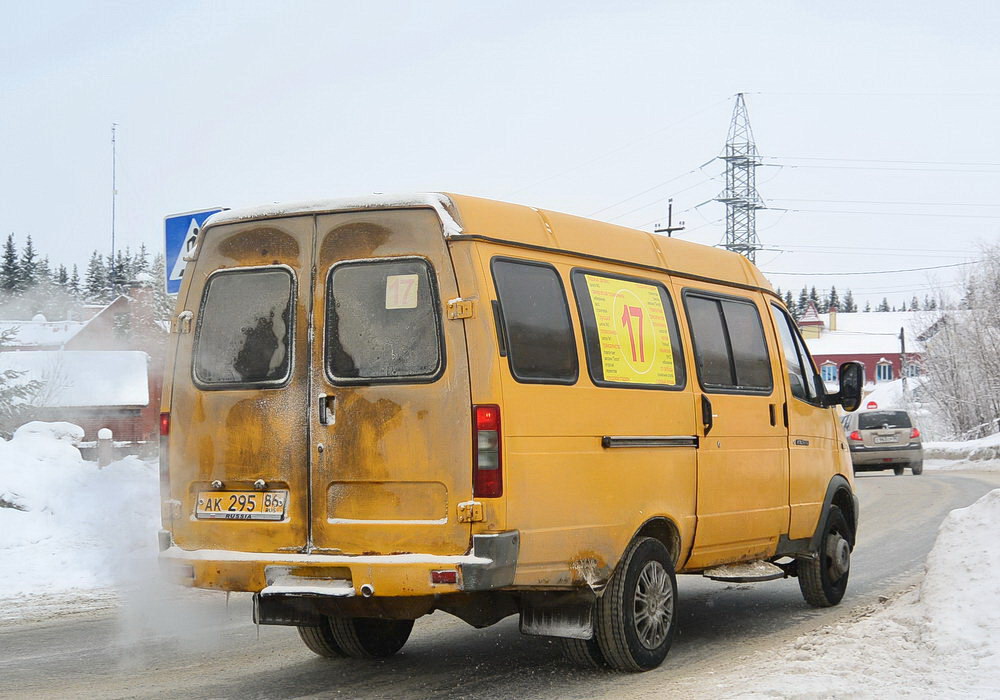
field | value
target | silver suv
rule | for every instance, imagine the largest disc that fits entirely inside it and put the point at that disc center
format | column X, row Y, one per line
column 884, row 439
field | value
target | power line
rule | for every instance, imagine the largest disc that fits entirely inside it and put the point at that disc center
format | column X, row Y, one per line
column 890, row 169
column 874, row 272
column 884, row 160
column 623, row 147
column 887, row 213
column 875, row 201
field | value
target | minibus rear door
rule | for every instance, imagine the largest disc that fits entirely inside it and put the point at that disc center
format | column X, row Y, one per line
column 391, row 418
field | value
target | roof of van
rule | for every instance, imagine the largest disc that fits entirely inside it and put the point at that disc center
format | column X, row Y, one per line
column 462, row 215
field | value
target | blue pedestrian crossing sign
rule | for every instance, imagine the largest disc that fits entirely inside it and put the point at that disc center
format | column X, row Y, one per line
column 181, row 236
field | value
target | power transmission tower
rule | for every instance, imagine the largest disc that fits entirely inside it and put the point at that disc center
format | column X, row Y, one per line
column 740, row 196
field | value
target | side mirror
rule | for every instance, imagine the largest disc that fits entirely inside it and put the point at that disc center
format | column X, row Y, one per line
column 852, row 380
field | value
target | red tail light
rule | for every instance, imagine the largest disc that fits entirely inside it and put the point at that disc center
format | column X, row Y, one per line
column 855, row 435
column 487, row 471
column 914, row 434
column 164, row 464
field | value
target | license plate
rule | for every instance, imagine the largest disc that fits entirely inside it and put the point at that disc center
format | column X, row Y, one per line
column 880, row 440
column 241, row 505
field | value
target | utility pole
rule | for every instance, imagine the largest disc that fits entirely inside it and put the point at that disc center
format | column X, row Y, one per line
column 669, row 230
column 114, row 194
column 740, row 196
column 902, row 357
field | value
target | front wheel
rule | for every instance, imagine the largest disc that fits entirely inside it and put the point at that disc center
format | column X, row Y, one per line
column 369, row 638
column 637, row 615
column 823, row 580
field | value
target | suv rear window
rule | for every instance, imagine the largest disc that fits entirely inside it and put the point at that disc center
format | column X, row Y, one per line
column 244, row 329
column 382, row 323
column 873, row 420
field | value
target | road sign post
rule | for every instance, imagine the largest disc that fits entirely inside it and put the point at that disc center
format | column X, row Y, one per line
column 181, row 234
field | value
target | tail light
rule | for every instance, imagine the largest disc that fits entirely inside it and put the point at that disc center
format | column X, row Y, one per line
column 164, row 462
column 487, row 470
column 914, row 433
column 855, row 435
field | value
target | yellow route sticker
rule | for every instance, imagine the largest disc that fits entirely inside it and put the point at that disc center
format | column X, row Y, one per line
column 632, row 331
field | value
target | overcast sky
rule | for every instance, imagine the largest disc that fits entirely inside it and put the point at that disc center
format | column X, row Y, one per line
column 571, row 106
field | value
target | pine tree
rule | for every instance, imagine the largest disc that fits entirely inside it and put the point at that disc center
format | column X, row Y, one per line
column 28, row 263
column 802, row 304
column 96, row 282
column 163, row 302
column 834, row 300
column 868, row 307
column 74, row 283
column 813, row 296
column 884, row 306
column 931, row 305
column 10, row 268
column 62, row 277
column 849, row 305
column 789, row 302
column 914, row 304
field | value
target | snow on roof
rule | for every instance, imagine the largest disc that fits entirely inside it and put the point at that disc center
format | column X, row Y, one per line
column 78, row 378
column 438, row 202
column 42, row 333
column 871, row 333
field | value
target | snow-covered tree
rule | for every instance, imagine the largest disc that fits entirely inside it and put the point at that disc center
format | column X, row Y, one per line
column 10, row 269
column 849, row 305
column 884, row 306
column 15, row 395
column 834, row 300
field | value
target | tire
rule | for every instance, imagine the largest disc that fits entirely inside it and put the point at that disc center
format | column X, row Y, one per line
column 823, row 580
column 583, row 652
column 917, row 468
column 898, row 471
column 370, row 638
column 637, row 615
column 320, row 640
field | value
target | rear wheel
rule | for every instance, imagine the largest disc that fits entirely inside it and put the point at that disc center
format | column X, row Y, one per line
column 917, row 468
column 370, row 638
column 823, row 580
column 637, row 615
column 898, row 471
column 320, row 640
column 583, row 652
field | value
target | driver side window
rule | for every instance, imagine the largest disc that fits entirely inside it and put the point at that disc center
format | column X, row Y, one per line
column 803, row 379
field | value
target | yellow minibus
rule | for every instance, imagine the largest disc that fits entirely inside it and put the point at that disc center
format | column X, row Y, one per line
column 380, row 407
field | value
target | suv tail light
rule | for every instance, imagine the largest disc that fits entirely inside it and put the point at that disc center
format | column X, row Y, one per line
column 914, row 434
column 855, row 435
column 487, row 470
column 164, row 464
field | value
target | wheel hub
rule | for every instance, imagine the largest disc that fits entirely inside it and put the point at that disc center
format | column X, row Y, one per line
column 654, row 605
column 838, row 553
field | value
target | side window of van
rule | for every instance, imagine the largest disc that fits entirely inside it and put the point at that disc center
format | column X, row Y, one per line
column 630, row 331
column 243, row 338
column 729, row 345
column 382, row 322
column 535, row 321
column 802, row 378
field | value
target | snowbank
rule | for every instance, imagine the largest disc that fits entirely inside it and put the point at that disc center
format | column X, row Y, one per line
column 68, row 528
column 982, row 454
column 941, row 639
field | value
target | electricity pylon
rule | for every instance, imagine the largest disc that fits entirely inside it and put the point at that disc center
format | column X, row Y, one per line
column 740, row 196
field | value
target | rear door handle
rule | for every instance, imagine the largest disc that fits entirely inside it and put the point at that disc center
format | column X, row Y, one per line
column 327, row 409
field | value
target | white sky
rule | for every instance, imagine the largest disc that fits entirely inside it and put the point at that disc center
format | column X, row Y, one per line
column 571, row 106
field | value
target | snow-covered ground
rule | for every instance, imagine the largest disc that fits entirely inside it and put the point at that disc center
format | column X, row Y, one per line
column 74, row 536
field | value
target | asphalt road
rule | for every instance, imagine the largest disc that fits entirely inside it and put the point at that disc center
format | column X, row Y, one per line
column 165, row 643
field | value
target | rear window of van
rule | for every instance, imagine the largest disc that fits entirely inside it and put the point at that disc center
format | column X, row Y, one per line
column 244, row 329
column 382, row 322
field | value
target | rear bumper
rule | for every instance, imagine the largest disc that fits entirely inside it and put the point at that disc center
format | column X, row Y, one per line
column 885, row 457
column 490, row 565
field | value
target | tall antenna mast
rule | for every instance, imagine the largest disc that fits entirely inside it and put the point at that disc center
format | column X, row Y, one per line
column 740, row 197
column 114, row 190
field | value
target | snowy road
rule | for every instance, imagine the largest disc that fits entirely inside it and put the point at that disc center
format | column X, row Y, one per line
column 197, row 649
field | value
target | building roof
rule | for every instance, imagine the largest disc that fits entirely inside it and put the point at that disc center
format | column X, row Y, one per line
column 82, row 378
column 871, row 332
column 47, row 334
